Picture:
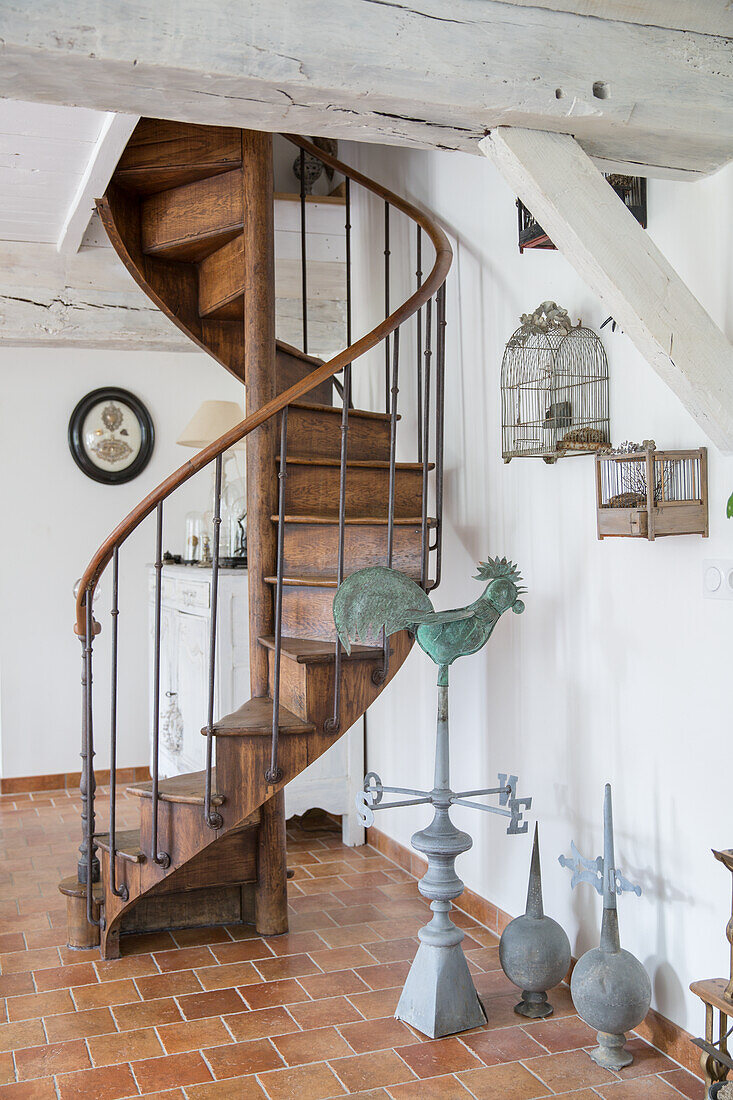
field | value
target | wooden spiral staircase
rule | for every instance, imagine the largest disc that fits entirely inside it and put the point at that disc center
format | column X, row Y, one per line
column 190, row 212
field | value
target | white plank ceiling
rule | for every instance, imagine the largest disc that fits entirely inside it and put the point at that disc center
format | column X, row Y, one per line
column 44, row 151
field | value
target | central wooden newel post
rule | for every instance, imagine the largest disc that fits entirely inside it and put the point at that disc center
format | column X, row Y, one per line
column 259, row 357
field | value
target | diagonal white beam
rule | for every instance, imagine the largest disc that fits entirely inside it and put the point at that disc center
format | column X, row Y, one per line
column 593, row 228
column 114, row 134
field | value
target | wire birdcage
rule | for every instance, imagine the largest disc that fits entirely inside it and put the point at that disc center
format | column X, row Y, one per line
column 644, row 493
column 554, row 388
column 630, row 189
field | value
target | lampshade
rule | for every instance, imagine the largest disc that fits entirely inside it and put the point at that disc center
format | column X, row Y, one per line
column 212, row 420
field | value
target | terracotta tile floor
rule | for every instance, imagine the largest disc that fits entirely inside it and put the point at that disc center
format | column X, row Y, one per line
column 219, row 1013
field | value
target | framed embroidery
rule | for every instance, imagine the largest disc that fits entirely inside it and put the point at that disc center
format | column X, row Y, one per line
column 111, row 435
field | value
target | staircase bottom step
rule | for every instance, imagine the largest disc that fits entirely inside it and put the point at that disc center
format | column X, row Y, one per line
column 190, row 908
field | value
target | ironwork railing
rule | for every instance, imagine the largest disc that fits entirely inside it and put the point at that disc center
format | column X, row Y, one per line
column 425, row 302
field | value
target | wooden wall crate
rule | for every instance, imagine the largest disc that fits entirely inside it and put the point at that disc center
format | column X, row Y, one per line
column 649, row 493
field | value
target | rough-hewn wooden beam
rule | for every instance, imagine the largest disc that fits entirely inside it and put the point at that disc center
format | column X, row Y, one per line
column 588, row 222
column 377, row 70
column 87, row 299
column 706, row 16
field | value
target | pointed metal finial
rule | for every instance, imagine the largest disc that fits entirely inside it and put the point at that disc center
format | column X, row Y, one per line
column 610, row 988
column 600, row 872
column 535, row 907
column 534, row 951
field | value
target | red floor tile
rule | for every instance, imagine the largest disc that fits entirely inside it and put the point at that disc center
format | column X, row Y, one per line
column 171, row 1070
column 44, row 1061
column 260, row 1023
column 241, row 1059
column 382, row 1067
column 195, row 1006
column 321, row 1013
column 321, row 1044
column 110, row 1083
column 440, row 1056
column 384, row 1034
column 316, row 1082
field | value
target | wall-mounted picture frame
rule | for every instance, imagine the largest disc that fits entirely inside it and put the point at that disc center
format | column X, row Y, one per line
column 111, row 435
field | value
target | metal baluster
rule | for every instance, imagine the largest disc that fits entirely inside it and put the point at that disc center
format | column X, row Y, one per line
column 347, row 197
column 212, row 817
column 303, row 256
column 274, row 773
column 122, row 892
column 439, row 430
column 161, row 858
column 426, row 444
column 87, row 787
column 91, row 869
column 418, row 316
column 380, row 675
column 387, row 255
column 333, row 724
column 348, row 284
column 393, row 444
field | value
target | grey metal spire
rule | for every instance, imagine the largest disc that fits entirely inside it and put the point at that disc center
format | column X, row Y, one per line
column 610, row 988
column 535, row 907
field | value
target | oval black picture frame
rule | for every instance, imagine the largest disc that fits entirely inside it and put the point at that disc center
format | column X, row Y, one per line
column 76, row 444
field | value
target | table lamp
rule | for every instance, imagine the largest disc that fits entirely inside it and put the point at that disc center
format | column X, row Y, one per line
column 209, row 422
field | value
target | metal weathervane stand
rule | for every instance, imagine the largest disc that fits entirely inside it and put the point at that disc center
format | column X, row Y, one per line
column 439, row 997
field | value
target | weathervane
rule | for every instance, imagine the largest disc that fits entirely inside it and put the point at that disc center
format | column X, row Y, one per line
column 610, row 988
column 439, row 997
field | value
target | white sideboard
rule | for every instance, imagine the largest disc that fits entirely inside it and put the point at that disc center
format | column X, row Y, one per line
column 330, row 783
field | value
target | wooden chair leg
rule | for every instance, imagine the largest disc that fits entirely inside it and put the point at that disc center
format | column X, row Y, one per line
column 271, row 892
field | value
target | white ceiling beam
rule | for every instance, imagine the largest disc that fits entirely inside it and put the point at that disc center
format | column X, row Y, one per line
column 114, row 134
column 417, row 74
column 88, row 299
column 591, row 226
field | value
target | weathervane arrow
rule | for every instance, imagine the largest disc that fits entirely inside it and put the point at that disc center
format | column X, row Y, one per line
column 600, row 872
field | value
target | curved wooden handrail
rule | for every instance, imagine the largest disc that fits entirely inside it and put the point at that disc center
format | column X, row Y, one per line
column 431, row 284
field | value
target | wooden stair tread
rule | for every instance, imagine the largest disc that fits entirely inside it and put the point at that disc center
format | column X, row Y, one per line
column 296, row 353
column 255, row 718
column 189, row 788
column 363, row 414
column 362, row 463
column 306, row 651
column 315, row 580
column 294, row 196
column 162, row 154
column 402, row 521
column 127, row 845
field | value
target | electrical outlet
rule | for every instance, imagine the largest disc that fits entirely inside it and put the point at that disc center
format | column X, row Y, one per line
column 717, row 579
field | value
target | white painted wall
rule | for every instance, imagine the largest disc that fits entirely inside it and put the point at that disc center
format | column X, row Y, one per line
column 618, row 670
column 53, row 519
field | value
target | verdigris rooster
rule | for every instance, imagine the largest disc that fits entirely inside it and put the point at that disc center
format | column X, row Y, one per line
column 439, row 997
column 379, row 599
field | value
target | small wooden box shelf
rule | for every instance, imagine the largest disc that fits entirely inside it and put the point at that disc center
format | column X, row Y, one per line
column 649, row 493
